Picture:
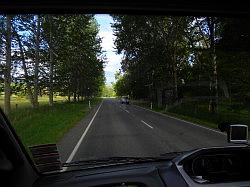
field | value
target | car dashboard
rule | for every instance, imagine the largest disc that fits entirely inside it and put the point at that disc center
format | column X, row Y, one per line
column 220, row 166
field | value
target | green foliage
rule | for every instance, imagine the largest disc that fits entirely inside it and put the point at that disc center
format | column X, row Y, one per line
column 68, row 43
column 108, row 91
column 154, row 49
column 1, row 88
column 121, row 87
column 234, row 57
column 79, row 61
column 192, row 57
column 78, row 57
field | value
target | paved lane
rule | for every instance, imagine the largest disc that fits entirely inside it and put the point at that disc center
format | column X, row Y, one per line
column 127, row 130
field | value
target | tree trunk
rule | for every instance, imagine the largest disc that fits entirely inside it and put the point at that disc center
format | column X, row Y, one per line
column 175, row 84
column 216, row 81
column 78, row 97
column 26, row 77
column 69, row 96
column 36, row 88
column 78, row 89
column 215, row 102
column 175, row 77
column 51, row 69
column 225, row 89
column 7, row 72
column 74, row 94
column 159, row 97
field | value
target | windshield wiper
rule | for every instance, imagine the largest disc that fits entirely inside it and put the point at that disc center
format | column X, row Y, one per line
column 122, row 160
column 173, row 154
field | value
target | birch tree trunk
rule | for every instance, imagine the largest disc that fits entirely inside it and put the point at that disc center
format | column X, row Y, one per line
column 26, row 76
column 51, row 68
column 36, row 88
column 7, row 72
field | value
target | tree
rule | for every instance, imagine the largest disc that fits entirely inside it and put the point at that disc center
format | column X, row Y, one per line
column 108, row 91
column 233, row 58
column 7, row 71
column 121, row 86
column 26, row 23
column 77, row 56
column 51, row 70
column 37, row 60
column 53, row 53
column 154, row 48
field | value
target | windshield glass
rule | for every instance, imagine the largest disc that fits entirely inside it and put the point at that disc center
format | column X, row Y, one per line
column 101, row 86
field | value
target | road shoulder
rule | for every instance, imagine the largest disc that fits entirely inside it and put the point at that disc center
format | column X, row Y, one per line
column 67, row 144
column 185, row 121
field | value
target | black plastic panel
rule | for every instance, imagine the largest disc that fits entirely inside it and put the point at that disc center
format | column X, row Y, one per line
column 145, row 175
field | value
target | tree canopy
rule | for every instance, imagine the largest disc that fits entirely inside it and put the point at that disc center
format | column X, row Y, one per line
column 167, row 57
column 53, row 54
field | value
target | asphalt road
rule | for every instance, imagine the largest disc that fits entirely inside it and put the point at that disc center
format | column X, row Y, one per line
column 114, row 129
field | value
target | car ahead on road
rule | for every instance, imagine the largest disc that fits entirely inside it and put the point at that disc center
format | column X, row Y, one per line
column 124, row 100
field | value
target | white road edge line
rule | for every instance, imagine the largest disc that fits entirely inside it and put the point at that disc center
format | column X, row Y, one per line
column 147, row 124
column 182, row 120
column 80, row 140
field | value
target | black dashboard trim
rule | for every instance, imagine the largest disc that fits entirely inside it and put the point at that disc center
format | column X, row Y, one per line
column 179, row 162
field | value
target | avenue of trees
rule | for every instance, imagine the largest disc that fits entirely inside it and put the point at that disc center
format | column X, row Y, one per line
column 48, row 54
column 167, row 59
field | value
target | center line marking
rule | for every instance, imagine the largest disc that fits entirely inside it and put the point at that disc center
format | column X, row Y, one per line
column 147, row 124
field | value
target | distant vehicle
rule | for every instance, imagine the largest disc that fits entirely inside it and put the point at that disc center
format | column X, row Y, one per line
column 124, row 100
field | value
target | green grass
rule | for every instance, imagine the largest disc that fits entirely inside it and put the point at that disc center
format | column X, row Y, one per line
column 46, row 124
column 199, row 114
column 22, row 102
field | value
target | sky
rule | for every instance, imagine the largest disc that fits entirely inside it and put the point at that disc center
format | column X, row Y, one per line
column 106, row 33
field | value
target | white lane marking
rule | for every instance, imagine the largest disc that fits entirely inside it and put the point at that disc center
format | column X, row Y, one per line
column 147, row 124
column 124, row 109
column 80, row 140
column 182, row 120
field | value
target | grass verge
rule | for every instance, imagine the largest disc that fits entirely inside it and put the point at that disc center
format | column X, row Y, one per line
column 47, row 124
column 200, row 115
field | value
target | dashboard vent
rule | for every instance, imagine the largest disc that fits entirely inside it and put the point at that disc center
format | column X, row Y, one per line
column 46, row 157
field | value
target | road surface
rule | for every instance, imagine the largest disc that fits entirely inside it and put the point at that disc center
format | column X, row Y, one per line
column 127, row 130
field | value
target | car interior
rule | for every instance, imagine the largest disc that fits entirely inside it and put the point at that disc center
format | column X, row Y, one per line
column 214, row 166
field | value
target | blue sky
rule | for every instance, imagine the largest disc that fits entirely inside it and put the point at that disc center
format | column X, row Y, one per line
column 106, row 33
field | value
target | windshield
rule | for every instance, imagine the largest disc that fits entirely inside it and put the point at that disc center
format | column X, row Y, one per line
column 104, row 86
